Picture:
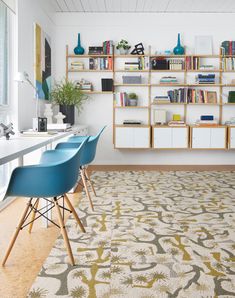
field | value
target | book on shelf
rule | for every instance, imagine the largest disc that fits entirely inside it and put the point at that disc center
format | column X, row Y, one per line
column 228, row 63
column 168, row 80
column 228, row 47
column 141, row 64
column 132, row 122
column 176, row 123
column 206, row 123
column 77, row 65
column 167, row 63
column 95, row 51
column 205, row 79
column 161, row 99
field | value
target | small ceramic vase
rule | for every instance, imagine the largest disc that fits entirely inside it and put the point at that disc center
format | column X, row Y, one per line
column 48, row 113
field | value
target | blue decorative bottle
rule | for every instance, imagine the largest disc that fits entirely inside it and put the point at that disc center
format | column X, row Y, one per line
column 178, row 50
column 79, row 50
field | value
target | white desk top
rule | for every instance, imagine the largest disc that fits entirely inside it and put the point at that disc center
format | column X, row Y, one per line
column 19, row 145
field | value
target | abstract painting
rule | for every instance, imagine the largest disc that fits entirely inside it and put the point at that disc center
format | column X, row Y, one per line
column 42, row 62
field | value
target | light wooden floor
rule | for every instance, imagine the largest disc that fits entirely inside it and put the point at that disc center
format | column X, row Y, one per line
column 31, row 250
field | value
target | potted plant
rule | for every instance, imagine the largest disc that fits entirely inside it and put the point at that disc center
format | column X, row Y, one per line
column 132, row 99
column 67, row 95
column 123, row 47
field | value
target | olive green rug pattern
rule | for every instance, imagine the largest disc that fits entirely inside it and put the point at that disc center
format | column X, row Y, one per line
column 152, row 234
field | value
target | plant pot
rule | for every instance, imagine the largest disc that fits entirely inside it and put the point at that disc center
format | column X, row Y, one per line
column 123, row 51
column 132, row 102
column 68, row 111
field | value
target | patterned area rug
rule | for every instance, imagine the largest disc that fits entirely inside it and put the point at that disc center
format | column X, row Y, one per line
column 153, row 234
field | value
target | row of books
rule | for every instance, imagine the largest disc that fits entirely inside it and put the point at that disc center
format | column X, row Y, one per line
column 228, row 63
column 228, row 47
column 108, row 47
column 167, row 64
column 190, row 95
column 141, row 64
column 205, row 79
column 101, row 63
column 194, row 63
column 121, row 99
column 176, row 64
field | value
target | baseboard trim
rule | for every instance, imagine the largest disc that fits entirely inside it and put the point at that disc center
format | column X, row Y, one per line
column 162, row 168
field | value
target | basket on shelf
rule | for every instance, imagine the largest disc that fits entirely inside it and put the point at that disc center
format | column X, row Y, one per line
column 131, row 79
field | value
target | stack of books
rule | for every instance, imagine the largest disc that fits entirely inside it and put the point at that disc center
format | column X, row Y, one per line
column 121, row 99
column 141, row 64
column 131, row 66
column 207, row 120
column 228, row 63
column 206, row 67
column 84, row 85
column 176, row 123
column 168, row 80
column 228, row 47
column 77, row 65
column 101, row 63
column 205, row 79
column 95, row 51
column 108, row 47
column 161, row 100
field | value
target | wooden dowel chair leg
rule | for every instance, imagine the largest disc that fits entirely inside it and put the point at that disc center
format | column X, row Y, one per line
column 64, row 233
column 33, row 216
column 74, row 213
column 86, row 189
column 89, row 179
column 13, row 240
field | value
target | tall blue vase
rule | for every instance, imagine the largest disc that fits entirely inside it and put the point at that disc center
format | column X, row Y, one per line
column 178, row 50
column 79, row 50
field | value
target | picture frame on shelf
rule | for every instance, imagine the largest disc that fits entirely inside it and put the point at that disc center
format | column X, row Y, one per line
column 211, row 97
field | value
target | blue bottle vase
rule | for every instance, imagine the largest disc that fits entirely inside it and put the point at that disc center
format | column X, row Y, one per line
column 79, row 50
column 178, row 50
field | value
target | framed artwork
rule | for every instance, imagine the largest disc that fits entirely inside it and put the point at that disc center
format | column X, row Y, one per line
column 211, row 97
column 42, row 62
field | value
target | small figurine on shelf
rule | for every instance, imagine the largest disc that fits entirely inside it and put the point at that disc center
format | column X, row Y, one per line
column 7, row 130
column 138, row 49
column 59, row 118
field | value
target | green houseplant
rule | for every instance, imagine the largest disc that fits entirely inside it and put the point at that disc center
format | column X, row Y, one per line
column 123, row 47
column 67, row 95
column 132, row 99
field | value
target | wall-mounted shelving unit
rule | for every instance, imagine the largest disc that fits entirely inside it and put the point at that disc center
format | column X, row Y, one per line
column 152, row 86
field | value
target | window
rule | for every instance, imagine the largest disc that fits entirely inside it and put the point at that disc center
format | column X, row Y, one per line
column 4, row 57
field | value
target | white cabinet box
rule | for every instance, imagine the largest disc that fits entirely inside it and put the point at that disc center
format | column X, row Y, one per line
column 232, row 137
column 132, row 137
column 209, row 137
column 166, row 137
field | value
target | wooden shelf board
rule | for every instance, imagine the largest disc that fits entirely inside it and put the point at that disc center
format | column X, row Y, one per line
column 130, row 56
column 139, row 70
column 133, row 125
column 89, row 70
column 89, row 56
column 204, row 70
column 131, row 107
column 168, row 85
column 132, row 85
column 228, row 85
column 167, row 70
column 205, row 85
column 228, row 103
column 204, row 104
column 204, row 56
column 228, row 70
column 97, row 92
column 168, row 103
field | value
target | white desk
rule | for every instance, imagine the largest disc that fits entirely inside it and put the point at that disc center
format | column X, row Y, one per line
column 19, row 145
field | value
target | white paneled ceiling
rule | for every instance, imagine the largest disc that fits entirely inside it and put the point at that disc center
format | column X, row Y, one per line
column 151, row 6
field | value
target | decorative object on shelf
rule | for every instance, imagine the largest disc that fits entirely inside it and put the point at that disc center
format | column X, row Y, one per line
column 123, row 47
column 211, row 96
column 138, row 49
column 176, row 117
column 48, row 113
column 203, row 45
column 178, row 50
column 107, row 84
column 66, row 94
column 159, row 117
column 59, row 118
column 42, row 57
column 131, row 79
column 79, row 50
column 40, row 124
column 132, row 99
column 7, row 130
column 231, row 97
column 84, row 85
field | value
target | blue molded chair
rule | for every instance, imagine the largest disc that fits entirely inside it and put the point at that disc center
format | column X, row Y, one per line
column 86, row 158
column 53, row 178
